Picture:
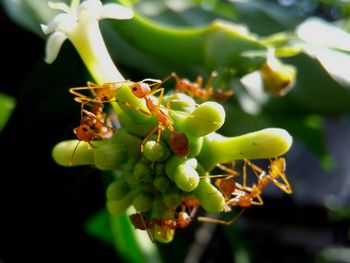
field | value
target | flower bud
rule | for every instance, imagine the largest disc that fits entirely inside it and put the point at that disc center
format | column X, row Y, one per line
column 161, row 183
column 155, row 151
column 73, row 153
column 143, row 172
column 118, row 189
column 210, row 198
column 186, row 177
column 143, row 201
column 118, row 207
column 206, row 118
column 172, row 199
column 109, row 156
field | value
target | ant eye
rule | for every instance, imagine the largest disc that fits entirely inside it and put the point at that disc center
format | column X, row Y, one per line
column 134, row 88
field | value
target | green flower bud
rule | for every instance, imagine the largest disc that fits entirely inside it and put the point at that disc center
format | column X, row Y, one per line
column 130, row 178
column 263, row 144
column 131, row 143
column 161, row 183
column 172, row 199
column 175, row 161
column 210, row 198
column 186, row 177
column 143, row 172
column 118, row 189
column 179, row 102
column 73, row 153
column 195, row 146
column 159, row 169
column 109, row 156
column 163, row 234
column 155, row 151
column 139, row 129
column 143, row 201
column 130, row 104
column 118, row 207
column 206, row 118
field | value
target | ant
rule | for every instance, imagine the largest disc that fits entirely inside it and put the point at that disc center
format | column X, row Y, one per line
column 101, row 93
column 196, row 89
column 93, row 125
column 237, row 194
column 276, row 171
column 142, row 90
column 181, row 219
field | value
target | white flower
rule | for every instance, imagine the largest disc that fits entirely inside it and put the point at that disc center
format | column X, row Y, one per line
column 76, row 20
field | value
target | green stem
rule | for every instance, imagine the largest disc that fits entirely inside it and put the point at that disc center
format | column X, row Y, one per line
column 92, row 49
column 196, row 47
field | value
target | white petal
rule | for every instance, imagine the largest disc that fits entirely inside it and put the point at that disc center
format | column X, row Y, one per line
column 54, row 24
column 90, row 9
column 116, row 11
column 59, row 6
column 53, row 46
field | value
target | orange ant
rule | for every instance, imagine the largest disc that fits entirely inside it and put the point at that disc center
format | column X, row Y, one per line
column 142, row 90
column 276, row 171
column 101, row 93
column 196, row 89
column 92, row 126
column 182, row 219
column 236, row 194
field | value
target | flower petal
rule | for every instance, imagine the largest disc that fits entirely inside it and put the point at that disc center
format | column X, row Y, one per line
column 59, row 6
column 54, row 23
column 116, row 11
column 90, row 9
column 53, row 46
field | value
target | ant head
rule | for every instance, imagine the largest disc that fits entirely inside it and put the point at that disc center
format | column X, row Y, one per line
column 105, row 93
column 84, row 133
column 183, row 219
column 140, row 89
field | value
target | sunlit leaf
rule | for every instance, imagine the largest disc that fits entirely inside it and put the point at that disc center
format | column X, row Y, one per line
column 336, row 63
column 318, row 32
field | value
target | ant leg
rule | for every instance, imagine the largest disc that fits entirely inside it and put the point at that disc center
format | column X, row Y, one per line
column 223, row 222
column 147, row 137
column 228, row 170
column 161, row 90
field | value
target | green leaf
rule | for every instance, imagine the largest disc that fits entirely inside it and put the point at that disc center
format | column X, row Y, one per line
column 133, row 245
column 28, row 14
column 99, row 227
column 320, row 33
column 7, row 104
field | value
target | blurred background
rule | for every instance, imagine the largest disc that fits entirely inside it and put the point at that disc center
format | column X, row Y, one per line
column 45, row 208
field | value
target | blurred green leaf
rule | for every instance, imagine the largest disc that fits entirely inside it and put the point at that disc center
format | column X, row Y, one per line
column 7, row 104
column 320, row 33
column 134, row 245
column 30, row 14
column 99, row 227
